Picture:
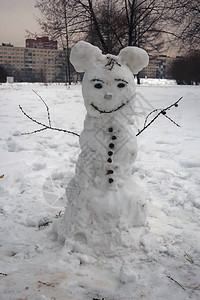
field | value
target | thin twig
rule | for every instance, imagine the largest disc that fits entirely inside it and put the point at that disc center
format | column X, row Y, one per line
column 44, row 223
column 3, row 274
column 145, row 122
column 196, row 287
column 48, row 113
column 189, row 258
column 145, row 127
column 172, row 121
column 176, row 282
column 161, row 112
column 35, row 131
column 46, row 283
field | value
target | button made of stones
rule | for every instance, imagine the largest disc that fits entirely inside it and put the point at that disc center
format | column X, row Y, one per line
column 109, row 172
column 110, row 180
column 114, row 137
column 109, row 160
column 110, row 153
column 110, row 129
column 111, row 145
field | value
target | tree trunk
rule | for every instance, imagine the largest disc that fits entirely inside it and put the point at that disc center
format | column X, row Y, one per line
column 67, row 62
column 138, row 78
column 96, row 24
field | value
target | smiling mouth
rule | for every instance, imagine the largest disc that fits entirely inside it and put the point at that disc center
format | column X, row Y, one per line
column 108, row 112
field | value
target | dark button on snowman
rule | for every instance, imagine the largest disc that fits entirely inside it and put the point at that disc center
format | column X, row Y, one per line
column 104, row 200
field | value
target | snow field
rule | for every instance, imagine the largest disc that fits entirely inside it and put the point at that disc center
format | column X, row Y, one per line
column 37, row 168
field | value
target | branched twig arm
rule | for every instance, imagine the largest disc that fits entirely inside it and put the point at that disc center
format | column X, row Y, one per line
column 35, row 131
column 44, row 125
column 160, row 111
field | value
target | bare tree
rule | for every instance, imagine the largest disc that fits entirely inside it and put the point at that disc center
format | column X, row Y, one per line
column 185, row 25
column 128, row 22
column 61, row 21
column 111, row 22
column 90, row 11
column 144, row 24
column 115, row 24
column 152, row 24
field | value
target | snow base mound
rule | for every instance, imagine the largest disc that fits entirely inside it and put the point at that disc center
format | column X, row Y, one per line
column 104, row 223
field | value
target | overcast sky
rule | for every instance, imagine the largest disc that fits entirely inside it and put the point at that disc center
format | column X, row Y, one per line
column 15, row 17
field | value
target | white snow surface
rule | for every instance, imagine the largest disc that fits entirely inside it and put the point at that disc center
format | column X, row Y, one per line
column 38, row 167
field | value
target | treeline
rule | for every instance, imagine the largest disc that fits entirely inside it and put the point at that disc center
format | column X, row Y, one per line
column 186, row 70
column 8, row 70
column 3, row 74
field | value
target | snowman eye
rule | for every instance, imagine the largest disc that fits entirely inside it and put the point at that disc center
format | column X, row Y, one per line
column 121, row 85
column 98, row 86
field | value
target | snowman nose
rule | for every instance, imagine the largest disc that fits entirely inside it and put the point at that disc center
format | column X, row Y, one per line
column 107, row 96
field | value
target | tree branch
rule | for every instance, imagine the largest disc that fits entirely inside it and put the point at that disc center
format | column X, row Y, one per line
column 176, row 282
column 48, row 113
column 44, row 126
column 161, row 112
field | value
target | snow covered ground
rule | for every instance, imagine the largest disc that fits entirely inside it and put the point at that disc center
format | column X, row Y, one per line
column 37, row 167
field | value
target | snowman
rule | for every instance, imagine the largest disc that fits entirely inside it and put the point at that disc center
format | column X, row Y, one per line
column 104, row 201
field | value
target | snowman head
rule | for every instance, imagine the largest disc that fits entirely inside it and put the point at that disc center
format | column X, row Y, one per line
column 108, row 82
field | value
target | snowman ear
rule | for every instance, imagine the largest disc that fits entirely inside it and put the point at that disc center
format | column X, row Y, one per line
column 83, row 55
column 135, row 58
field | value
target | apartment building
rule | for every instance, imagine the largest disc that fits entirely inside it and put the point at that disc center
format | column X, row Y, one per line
column 159, row 67
column 41, row 61
column 41, row 42
column 33, row 64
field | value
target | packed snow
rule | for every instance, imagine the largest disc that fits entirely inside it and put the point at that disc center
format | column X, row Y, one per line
column 104, row 201
column 165, row 264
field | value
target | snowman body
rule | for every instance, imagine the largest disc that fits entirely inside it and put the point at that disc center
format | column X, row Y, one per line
column 104, row 201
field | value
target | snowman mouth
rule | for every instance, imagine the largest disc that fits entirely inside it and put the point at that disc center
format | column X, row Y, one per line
column 110, row 111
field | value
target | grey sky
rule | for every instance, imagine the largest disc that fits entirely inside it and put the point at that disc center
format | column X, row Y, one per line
column 15, row 17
